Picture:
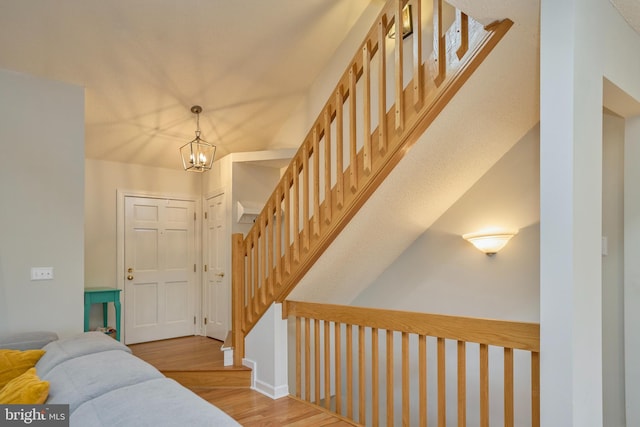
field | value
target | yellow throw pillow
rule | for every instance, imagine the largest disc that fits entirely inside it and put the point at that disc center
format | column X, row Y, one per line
column 26, row 389
column 14, row 363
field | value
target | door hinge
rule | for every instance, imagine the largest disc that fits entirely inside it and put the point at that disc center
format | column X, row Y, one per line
column 205, row 268
column 194, row 320
column 206, row 216
column 205, row 320
column 194, row 216
column 194, row 268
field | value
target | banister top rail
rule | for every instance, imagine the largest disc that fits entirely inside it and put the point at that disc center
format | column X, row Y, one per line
column 515, row 335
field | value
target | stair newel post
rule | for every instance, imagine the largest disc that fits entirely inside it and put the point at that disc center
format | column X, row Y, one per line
column 237, row 290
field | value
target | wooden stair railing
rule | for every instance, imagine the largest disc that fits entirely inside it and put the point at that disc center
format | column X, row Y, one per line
column 339, row 349
column 363, row 131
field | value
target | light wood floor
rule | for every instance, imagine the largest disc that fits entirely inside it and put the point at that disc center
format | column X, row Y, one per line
column 248, row 407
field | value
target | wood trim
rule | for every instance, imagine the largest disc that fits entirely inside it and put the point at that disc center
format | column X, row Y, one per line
column 484, row 385
column 516, row 335
column 462, row 383
column 422, row 379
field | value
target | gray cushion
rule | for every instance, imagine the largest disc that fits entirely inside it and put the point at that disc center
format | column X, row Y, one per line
column 27, row 340
column 82, row 378
column 75, row 346
column 154, row 403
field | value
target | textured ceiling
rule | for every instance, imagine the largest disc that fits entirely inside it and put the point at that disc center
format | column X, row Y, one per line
column 144, row 63
column 630, row 10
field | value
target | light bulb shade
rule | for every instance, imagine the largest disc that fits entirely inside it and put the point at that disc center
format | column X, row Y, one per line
column 490, row 243
column 197, row 155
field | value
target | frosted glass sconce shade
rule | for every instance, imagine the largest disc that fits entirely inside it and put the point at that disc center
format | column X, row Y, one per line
column 489, row 242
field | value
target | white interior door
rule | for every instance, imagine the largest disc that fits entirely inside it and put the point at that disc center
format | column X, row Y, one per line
column 217, row 288
column 160, row 278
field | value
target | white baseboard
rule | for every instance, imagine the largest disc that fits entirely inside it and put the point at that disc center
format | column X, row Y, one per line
column 269, row 390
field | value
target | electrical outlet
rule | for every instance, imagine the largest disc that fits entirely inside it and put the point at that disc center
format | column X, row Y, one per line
column 41, row 273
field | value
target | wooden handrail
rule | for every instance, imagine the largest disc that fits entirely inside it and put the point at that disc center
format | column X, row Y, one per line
column 350, row 149
column 466, row 332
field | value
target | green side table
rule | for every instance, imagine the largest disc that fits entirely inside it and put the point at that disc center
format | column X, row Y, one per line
column 104, row 296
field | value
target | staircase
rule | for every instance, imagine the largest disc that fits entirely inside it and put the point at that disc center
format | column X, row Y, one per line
column 392, row 91
column 194, row 361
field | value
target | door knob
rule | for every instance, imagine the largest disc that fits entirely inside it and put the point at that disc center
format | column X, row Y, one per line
column 130, row 277
column 220, row 274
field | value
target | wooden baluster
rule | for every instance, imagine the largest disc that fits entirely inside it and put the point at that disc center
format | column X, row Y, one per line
column 296, row 211
column 484, row 385
column 270, row 254
column 316, row 182
column 278, row 231
column 237, row 287
column 439, row 46
column 535, row 389
column 349, row 345
column 375, row 380
column 256, row 271
column 362, row 392
column 307, row 360
column 366, row 104
column 462, row 384
column 249, row 281
column 353, row 152
column 287, row 225
column 399, row 69
column 305, row 196
column 327, row 366
column 382, row 84
column 327, row 166
column 406, row 416
column 463, row 25
column 339, row 148
column 422, row 379
column 418, row 79
column 442, row 384
column 262, row 253
column 389, row 377
column 337, row 367
column 508, row 387
column 298, row 359
column 316, row 361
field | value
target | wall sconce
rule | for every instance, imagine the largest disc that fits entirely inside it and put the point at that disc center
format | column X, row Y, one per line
column 490, row 242
column 407, row 24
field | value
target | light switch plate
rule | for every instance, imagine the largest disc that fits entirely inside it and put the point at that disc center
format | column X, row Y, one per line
column 41, row 273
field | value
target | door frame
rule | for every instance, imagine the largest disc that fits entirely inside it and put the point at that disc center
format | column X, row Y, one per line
column 121, row 194
column 204, row 250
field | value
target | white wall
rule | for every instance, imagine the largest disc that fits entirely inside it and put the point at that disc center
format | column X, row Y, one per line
column 292, row 132
column 632, row 269
column 102, row 181
column 442, row 273
column 613, row 271
column 42, row 192
column 573, row 60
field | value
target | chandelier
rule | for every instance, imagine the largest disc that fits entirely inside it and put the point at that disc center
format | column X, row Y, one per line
column 197, row 155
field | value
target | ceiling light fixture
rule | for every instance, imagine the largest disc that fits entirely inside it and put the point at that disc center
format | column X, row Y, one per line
column 197, row 155
column 490, row 242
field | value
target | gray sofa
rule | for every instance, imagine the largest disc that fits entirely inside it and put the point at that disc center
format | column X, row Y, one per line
column 105, row 385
